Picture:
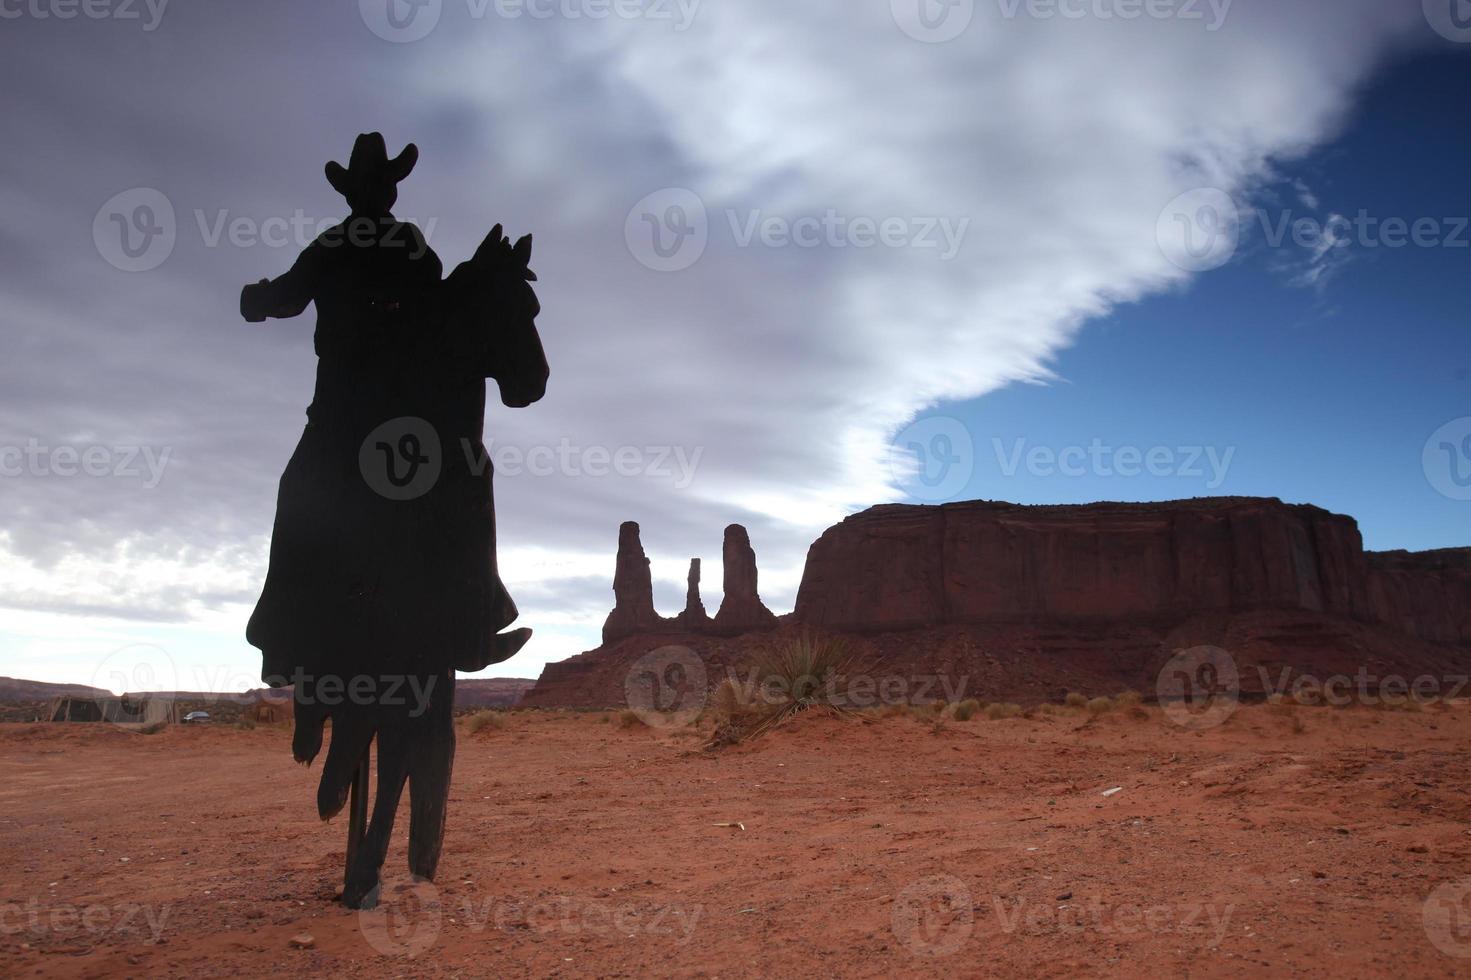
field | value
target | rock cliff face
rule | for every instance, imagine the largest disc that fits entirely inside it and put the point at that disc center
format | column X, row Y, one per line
column 902, row 567
column 1426, row 594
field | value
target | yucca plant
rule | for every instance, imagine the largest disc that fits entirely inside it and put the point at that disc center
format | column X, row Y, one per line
column 797, row 676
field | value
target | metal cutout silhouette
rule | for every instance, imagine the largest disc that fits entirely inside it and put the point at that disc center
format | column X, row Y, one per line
column 383, row 579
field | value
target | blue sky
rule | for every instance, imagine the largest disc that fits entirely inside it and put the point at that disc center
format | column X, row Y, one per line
column 1322, row 394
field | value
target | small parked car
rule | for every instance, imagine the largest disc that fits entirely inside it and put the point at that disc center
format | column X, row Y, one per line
column 197, row 718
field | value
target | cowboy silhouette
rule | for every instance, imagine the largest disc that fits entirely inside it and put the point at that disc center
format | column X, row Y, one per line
column 382, row 579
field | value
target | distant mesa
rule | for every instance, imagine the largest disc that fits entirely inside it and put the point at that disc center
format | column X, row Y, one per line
column 633, row 613
column 1028, row 602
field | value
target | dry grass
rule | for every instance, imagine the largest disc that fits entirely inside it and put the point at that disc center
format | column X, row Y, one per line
column 997, row 712
column 1075, row 700
column 966, row 709
column 1129, row 699
column 481, row 720
column 1099, row 706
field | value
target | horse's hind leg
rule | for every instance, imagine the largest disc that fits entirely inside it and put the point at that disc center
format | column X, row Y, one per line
column 361, row 888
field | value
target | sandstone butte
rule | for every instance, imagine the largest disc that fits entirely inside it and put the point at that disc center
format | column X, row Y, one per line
column 1005, row 601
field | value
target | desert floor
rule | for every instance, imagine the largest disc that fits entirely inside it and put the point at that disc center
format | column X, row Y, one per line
column 1310, row 841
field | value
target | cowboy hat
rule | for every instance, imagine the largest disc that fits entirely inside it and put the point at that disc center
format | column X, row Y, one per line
column 369, row 170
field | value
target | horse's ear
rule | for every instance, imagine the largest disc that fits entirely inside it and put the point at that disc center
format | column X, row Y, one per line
column 522, row 251
column 488, row 246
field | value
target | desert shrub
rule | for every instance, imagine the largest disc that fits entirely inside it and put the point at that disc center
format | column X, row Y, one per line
column 893, row 710
column 1099, row 706
column 797, row 676
column 1048, row 708
column 1075, row 700
column 966, row 709
column 1128, row 699
column 244, row 723
column 735, row 712
column 152, row 728
column 628, row 718
column 605, row 719
column 998, row 711
column 481, row 720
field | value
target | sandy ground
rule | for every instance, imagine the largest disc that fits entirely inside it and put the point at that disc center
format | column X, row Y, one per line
column 872, row 847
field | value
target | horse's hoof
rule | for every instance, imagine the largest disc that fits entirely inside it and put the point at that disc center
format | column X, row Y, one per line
column 361, row 891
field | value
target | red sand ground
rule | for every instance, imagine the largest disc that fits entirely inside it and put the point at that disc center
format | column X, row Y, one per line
column 871, row 847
